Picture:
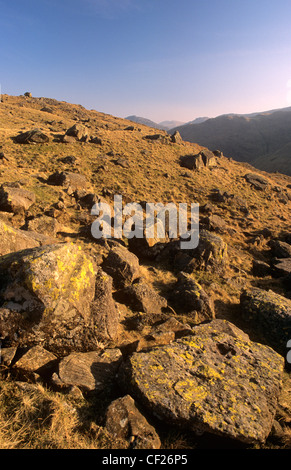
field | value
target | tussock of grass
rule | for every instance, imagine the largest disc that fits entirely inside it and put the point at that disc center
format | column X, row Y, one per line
column 36, row 418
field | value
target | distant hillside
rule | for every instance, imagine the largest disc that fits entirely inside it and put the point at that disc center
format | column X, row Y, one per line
column 258, row 138
column 170, row 124
column 144, row 121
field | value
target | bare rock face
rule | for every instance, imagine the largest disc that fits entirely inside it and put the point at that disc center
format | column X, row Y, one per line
column 90, row 371
column 125, row 421
column 216, row 381
column 269, row 314
column 48, row 290
column 15, row 199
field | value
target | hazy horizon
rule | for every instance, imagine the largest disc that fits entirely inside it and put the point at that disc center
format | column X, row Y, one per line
column 156, row 59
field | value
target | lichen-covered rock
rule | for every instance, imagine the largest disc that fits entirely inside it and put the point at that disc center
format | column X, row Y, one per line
column 215, row 381
column 50, row 289
column 124, row 421
column 90, row 371
column 269, row 315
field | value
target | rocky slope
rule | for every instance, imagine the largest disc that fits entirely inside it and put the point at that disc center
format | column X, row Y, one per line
column 169, row 342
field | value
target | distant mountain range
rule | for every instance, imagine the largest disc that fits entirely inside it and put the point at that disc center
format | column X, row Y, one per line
column 262, row 139
column 164, row 125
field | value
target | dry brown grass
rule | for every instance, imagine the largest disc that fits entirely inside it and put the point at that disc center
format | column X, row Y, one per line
column 33, row 417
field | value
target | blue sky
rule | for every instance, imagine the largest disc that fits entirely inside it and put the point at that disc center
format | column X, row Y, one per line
column 161, row 59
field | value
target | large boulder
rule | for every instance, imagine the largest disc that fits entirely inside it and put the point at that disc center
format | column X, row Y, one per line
column 269, row 315
column 48, row 292
column 216, row 381
column 35, row 136
column 205, row 158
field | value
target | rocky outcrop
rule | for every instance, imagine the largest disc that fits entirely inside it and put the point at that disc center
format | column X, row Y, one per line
column 203, row 159
column 269, row 315
column 216, row 381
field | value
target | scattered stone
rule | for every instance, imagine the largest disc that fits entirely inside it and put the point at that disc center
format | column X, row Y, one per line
column 215, row 223
column 90, row 371
column 205, row 158
column 122, row 162
column 7, row 355
column 103, row 308
column 282, row 267
column 15, row 199
column 260, row 268
column 78, row 132
column 46, row 109
column 189, row 297
column 210, row 255
column 280, row 249
column 141, row 297
column 35, row 136
column 96, row 140
column 269, row 315
column 257, row 181
column 44, row 225
column 122, row 266
column 70, row 181
column 124, row 421
column 215, row 381
column 12, row 239
column 36, row 360
column 27, row 94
